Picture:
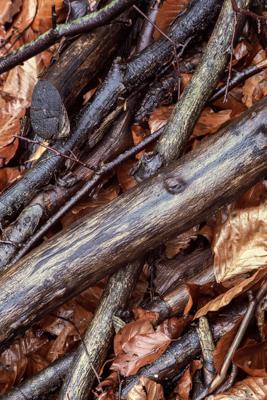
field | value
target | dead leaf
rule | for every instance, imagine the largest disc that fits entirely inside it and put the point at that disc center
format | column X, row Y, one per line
column 249, row 388
column 223, row 345
column 255, row 87
column 8, row 176
column 126, row 180
column 8, row 9
column 139, row 349
column 141, row 313
column 240, row 243
column 173, row 327
column 185, row 383
column 131, row 329
column 167, row 14
column 180, row 242
column 146, row 390
column 225, row 298
column 251, row 359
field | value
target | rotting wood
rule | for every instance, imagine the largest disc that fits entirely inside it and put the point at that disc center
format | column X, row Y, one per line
column 181, row 196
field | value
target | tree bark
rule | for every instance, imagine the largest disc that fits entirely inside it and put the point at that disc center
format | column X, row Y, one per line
column 120, row 79
column 79, row 64
column 181, row 196
column 182, row 121
column 93, row 349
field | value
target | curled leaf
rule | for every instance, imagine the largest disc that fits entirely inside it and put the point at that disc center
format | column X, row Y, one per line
column 240, row 243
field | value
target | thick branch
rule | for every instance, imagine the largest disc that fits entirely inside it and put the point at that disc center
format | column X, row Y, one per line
column 204, row 81
column 93, row 349
column 80, row 25
column 120, row 79
column 184, row 194
column 79, row 64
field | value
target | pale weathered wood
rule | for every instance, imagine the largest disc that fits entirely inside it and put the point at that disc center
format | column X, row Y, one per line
column 181, row 196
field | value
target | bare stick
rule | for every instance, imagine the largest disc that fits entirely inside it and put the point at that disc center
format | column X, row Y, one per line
column 218, row 380
column 80, row 25
column 181, row 124
column 104, row 169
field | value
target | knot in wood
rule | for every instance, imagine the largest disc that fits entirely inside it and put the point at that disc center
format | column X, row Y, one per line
column 174, row 184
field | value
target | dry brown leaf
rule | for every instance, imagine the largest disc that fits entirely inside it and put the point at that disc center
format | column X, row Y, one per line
column 255, row 87
column 43, row 21
column 131, row 329
column 146, row 390
column 140, row 349
column 223, row 345
column 8, row 176
column 248, row 389
column 225, row 298
column 167, row 14
column 240, row 243
column 180, row 242
column 126, row 180
column 8, row 8
column 210, row 121
column 251, row 359
column 141, row 313
column 185, row 383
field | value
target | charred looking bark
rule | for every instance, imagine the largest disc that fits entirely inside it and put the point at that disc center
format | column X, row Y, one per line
column 79, row 64
column 121, row 79
column 181, row 196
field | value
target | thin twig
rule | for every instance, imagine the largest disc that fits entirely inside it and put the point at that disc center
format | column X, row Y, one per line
column 231, row 58
column 103, row 170
column 79, row 25
column 56, row 152
column 218, row 380
column 239, row 78
column 176, row 56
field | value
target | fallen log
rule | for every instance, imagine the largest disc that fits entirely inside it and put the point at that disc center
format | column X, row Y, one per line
column 181, row 196
column 121, row 78
column 50, row 379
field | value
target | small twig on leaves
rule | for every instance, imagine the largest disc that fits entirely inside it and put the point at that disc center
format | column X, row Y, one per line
column 103, row 170
column 239, row 78
column 239, row 336
column 54, row 151
column 176, row 55
column 79, row 25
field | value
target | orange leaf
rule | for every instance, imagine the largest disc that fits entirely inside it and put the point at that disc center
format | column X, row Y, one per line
column 251, row 359
column 146, row 390
column 250, row 388
column 225, row 298
column 240, row 243
column 167, row 13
